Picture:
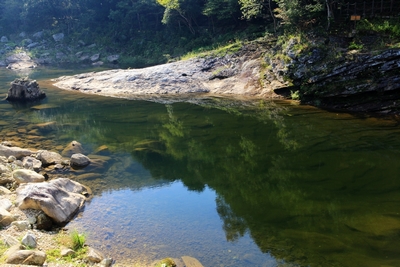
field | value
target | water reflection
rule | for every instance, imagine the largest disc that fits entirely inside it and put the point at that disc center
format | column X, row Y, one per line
column 308, row 187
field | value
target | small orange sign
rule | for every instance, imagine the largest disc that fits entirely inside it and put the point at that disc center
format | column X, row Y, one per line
column 355, row 17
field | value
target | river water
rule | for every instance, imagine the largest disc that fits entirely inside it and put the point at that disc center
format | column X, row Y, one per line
column 229, row 182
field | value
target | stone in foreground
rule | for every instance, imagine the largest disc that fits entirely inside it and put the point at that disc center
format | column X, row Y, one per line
column 59, row 199
column 25, row 90
column 28, row 257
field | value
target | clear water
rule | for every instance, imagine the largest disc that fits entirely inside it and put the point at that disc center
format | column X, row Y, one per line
column 229, row 182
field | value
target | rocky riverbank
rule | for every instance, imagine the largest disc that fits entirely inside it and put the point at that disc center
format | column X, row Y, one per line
column 24, row 52
column 328, row 76
column 35, row 205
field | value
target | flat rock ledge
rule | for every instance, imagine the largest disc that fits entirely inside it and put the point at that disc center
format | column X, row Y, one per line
column 199, row 76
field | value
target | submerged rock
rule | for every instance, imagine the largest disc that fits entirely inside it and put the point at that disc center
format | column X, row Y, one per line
column 25, row 90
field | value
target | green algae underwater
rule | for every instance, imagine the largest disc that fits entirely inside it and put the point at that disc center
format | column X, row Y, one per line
column 231, row 182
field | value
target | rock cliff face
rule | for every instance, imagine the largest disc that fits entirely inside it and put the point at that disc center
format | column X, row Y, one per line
column 344, row 81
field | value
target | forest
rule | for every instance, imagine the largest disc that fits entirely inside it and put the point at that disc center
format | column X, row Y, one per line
column 163, row 28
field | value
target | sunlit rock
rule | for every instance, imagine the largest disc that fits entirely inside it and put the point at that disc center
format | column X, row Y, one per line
column 28, row 257
column 60, row 199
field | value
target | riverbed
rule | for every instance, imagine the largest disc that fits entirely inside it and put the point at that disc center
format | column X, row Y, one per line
column 231, row 182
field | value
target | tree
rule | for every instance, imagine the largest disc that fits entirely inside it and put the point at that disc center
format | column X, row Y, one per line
column 186, row 11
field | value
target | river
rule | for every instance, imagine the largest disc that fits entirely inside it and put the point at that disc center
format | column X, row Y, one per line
column 230, row 182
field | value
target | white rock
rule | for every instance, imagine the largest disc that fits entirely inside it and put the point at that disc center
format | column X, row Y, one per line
column 5, row 203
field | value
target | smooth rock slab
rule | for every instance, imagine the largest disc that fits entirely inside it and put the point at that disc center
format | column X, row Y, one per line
column 28, row 257
column 59, row 199
column 22, row 176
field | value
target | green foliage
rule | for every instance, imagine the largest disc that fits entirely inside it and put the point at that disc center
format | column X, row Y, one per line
column 3, row 249
column 355, row 46
column 295, row 95
column 78, row 240
column 390, row 27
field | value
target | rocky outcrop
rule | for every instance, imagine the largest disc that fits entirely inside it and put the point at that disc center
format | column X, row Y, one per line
column 25, row 90
column 354, row 81
column 236, row 74
column 59, row 199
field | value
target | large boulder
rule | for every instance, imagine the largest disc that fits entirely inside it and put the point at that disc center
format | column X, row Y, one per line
column 14, row 151
column 23, row 89
column 59, row 199
column 58, row 37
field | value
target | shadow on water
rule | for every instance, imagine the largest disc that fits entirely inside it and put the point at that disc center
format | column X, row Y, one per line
column 309, row 188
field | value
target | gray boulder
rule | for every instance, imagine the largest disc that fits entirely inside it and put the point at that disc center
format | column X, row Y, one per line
column 95, row 57
column 17, row 152
column 58, row 37
column 79, row 160
column 48, row 157
column 113, row 59
column 59, row 199
column 33, row 45
column 38, row 35
column 4, row 39
column 23, row 89
column 22, row 176
column 27, row 257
